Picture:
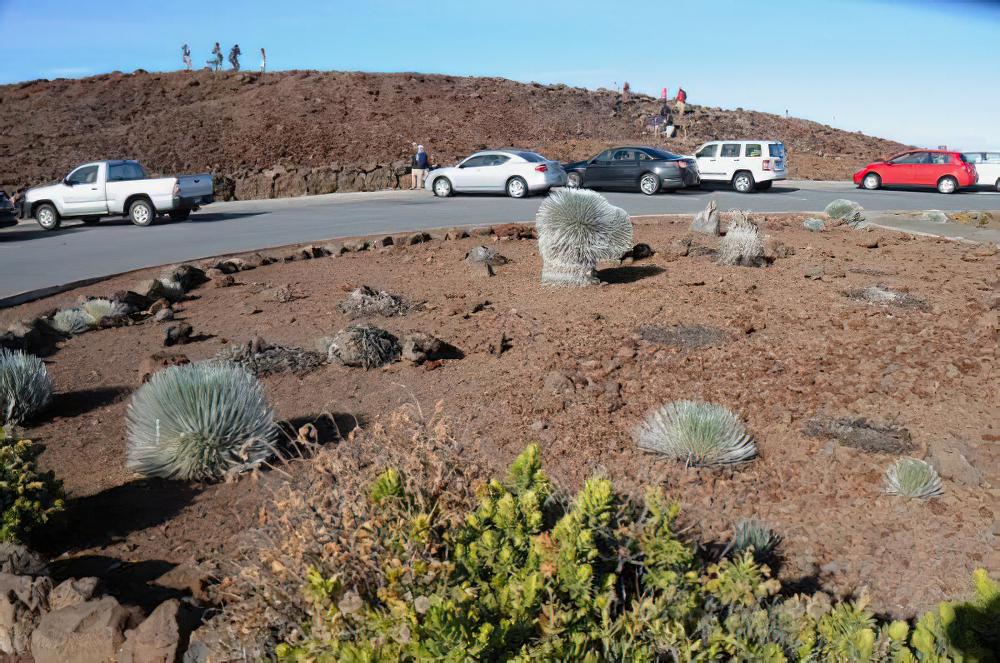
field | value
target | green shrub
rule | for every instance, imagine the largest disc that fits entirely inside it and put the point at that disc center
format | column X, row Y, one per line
column 205, row 420
column 696, row 433
column 28, row 498
column 910, row 477
column 25, row 386
column 525, row 576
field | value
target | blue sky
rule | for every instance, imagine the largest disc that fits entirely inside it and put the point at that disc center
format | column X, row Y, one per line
column 922, row 72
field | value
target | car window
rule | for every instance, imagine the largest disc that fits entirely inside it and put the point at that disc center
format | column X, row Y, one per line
column 496, row 160
column 912, row 157
column 940, row 158
column 643, row 156
column 730, row 150
column 776, row 150
column 476, row 162
column 709, row 151
column 992, row 157
column 604, row 156
column 532, row 157
column 84, row 175
column 753, row 150
column 624, row 155
column 125, row 172
column 973, row 157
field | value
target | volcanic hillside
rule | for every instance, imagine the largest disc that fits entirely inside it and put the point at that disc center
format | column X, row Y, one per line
column 298, row 132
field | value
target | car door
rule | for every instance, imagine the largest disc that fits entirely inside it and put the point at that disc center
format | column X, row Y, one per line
column 729, row 160
column 495, row 172
column 83, row 192
column 708, row 162
column 623, row 169
column 469, row 173
column 989, row 170
column 598, row 169
column 900, row 169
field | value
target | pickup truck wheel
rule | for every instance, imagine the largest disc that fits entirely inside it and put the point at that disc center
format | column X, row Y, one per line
column 180, row 215
column 743, row 182
column 47, row 217
column 141, row 213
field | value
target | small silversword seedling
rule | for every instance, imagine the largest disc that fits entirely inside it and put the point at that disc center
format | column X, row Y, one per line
column 696, row 433
column 751, row 534
column 25, row 386
column 206, row 420
column 910, row 477
column 576, row 230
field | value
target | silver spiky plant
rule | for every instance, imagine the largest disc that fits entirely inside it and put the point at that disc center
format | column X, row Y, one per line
column 910, row 477
column 743, row 243
column 206, row 420
column 103, row 308
column 752, row 534
column 696, row 433
column 25, row 386
column 578, row 228
column 72, row 321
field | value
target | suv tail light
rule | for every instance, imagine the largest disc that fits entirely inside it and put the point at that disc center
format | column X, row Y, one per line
column 767, row 164
column 541, row 169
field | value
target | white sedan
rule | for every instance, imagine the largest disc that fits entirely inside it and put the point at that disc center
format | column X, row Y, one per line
column 516, row 172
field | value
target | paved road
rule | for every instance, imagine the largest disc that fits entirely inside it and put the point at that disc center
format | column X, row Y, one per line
column 31, row 259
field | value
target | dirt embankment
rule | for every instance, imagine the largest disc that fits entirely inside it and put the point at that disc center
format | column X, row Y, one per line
column 307, row 132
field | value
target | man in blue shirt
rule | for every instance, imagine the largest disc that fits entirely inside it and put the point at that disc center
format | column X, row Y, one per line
column 418, row 168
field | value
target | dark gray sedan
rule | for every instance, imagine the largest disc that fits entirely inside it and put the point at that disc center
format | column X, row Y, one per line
column 648, row 169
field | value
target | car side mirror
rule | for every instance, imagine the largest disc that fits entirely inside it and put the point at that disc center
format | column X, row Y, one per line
column 67, row 182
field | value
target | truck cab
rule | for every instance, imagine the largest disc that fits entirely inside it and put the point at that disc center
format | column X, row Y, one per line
column 116, row 188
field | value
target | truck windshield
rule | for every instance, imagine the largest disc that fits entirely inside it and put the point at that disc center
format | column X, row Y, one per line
column 125, row 172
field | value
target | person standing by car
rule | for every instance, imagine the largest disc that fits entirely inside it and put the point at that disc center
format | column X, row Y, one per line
column 186, row 57
column 418, row 168
column 234, row 57
column 682, row 98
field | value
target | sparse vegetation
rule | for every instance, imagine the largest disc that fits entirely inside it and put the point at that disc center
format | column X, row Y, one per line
column 695, row 433
column 88, row 315
column 261, row 358
column 25, row 386
column 100, row 308
column 880, row 294
column 751, row 535
column 28, row 498
column 363, row 346
column 521, row 577
column 364, row 301
column 911, row 477
column 743, row 244
column 847, row 211
column 578, row 228
column 72, row 321
column 199, row 421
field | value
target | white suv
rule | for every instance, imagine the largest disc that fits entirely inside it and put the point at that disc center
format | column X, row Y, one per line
column 746, row 164
column 987, row 167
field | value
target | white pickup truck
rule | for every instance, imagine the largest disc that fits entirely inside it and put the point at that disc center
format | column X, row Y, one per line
column 116, row 188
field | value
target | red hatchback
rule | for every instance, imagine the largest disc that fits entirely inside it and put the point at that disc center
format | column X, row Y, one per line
column 945, row 171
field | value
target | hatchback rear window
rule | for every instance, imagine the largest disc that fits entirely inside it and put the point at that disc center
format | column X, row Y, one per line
column 941, row 158
column 776, row 150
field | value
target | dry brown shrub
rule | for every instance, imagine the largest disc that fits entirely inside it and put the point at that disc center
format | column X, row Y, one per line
column 322, row 520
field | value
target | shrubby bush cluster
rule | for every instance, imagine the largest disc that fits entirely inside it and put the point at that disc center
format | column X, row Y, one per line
column 527, row 575
column 28, row 498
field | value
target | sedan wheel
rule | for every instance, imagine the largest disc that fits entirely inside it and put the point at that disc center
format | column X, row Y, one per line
column 871, row 181
column 947, row 185
column 649, row 184
column 442, row 187
column 517, row 188
column 574, row 181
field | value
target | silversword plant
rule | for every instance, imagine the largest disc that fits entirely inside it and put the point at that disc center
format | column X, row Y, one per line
column 25, row 386
column 911, row 477
column 696, row 433
column 577, row 229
